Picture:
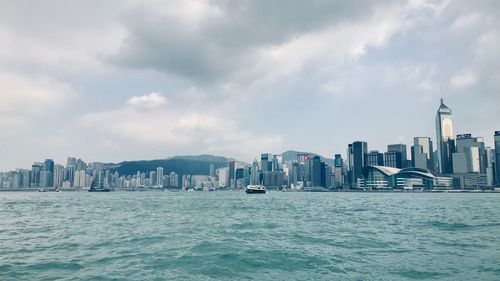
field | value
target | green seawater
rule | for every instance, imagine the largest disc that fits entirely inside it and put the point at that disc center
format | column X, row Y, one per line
column 235, row 236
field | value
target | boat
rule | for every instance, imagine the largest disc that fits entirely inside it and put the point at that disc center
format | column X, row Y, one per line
column 99, row 190
column 251, row 189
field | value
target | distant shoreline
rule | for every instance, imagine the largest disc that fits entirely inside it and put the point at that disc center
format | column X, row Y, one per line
column 29, row 190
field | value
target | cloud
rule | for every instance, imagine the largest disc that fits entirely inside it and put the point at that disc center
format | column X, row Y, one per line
column 175, row 129
column 22, row 95
column 150, row 101
column 226, row 41
column 463, row 80
column 466, row 21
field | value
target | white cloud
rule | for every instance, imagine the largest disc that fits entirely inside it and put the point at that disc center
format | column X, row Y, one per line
column 150, row 101
column 466, row 21
column 463, row 80
column 176, row 129
column 22, row 95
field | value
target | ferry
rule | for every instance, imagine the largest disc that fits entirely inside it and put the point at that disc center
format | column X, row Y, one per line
column 99, row 189
column 251, row 189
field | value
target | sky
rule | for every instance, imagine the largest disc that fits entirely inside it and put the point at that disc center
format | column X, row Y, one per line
column 136, row 79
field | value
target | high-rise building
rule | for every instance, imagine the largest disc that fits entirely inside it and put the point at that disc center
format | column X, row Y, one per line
column 254, row 173
column 211, row 171
column 159, row 176
column 174, row 180
column 71, row 161
column 357, row 160
column 497, row 156
column 35, row 174
column 426, row 149
column 444, row 139
column 59, row 173
column 490, row 177
column 393, row 159
column 338, row 171
column 401, row 154
column 275, row 164
column 418, row 157
column 223, row 177
column 316, row 171
column 264, row 162
column 232, row 166
column 475, row 153
column 375, row 158
column 152, row 178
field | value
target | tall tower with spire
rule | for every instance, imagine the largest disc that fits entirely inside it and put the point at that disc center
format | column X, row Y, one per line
column 444, row 138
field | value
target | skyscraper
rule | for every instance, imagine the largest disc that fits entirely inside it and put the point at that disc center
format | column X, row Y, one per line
column 357, row 160
column 375, row 158
column 497, row 154
column 255, row 175
column 474, row 150
column 338, row 171
column 159, row 176
column 49, row 168
column 401, row 154
column 264, row 162
column 211, row 170
column 232, row 164
column 444, row 139
column 316, row 171
column 426, row 151
column 393, row 159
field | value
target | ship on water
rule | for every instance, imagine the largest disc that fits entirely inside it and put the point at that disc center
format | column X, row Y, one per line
column 255, row 189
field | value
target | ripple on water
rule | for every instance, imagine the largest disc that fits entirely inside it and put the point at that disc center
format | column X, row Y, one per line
column 231, row 236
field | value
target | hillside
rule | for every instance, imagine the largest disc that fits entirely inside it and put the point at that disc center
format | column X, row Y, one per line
column 181, row 165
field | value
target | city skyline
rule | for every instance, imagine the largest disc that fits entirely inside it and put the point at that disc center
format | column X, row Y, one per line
column 331, row 156
column 111, row 84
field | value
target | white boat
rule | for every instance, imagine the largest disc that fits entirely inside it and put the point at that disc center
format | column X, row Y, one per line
column 255, row 189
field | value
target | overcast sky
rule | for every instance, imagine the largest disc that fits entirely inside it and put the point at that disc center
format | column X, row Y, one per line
column 122, row 80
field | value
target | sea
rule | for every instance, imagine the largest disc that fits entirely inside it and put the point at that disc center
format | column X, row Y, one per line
column 231, row 235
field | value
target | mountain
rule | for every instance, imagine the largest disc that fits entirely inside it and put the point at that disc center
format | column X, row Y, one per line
column 291, row 155
column 181, row 165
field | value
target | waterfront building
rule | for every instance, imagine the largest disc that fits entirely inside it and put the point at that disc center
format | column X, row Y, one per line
column 174, row 180
column 383, row 177
column 317, row 171
column 393, row 159
column 254, row 173
column 459, row 163
column 357, row 152
column 490, row 175
column 424, row 149
column 152, row 179
column 36, row 168
column 45, row 178
column 273, row 179
column 211, row 170
column 264, row 162
column 497, row 156
column 223, row 177
column 444, row 139
column 375, row 158
column 59, row 173
column 418, row 157
column 232, row 167
column 70, row 174
column 71, row 161
column 338, row 171
column 401, row 154
column 159, row 176
column 276, row 163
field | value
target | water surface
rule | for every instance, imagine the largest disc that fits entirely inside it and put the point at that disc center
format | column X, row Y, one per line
column 235, row 236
